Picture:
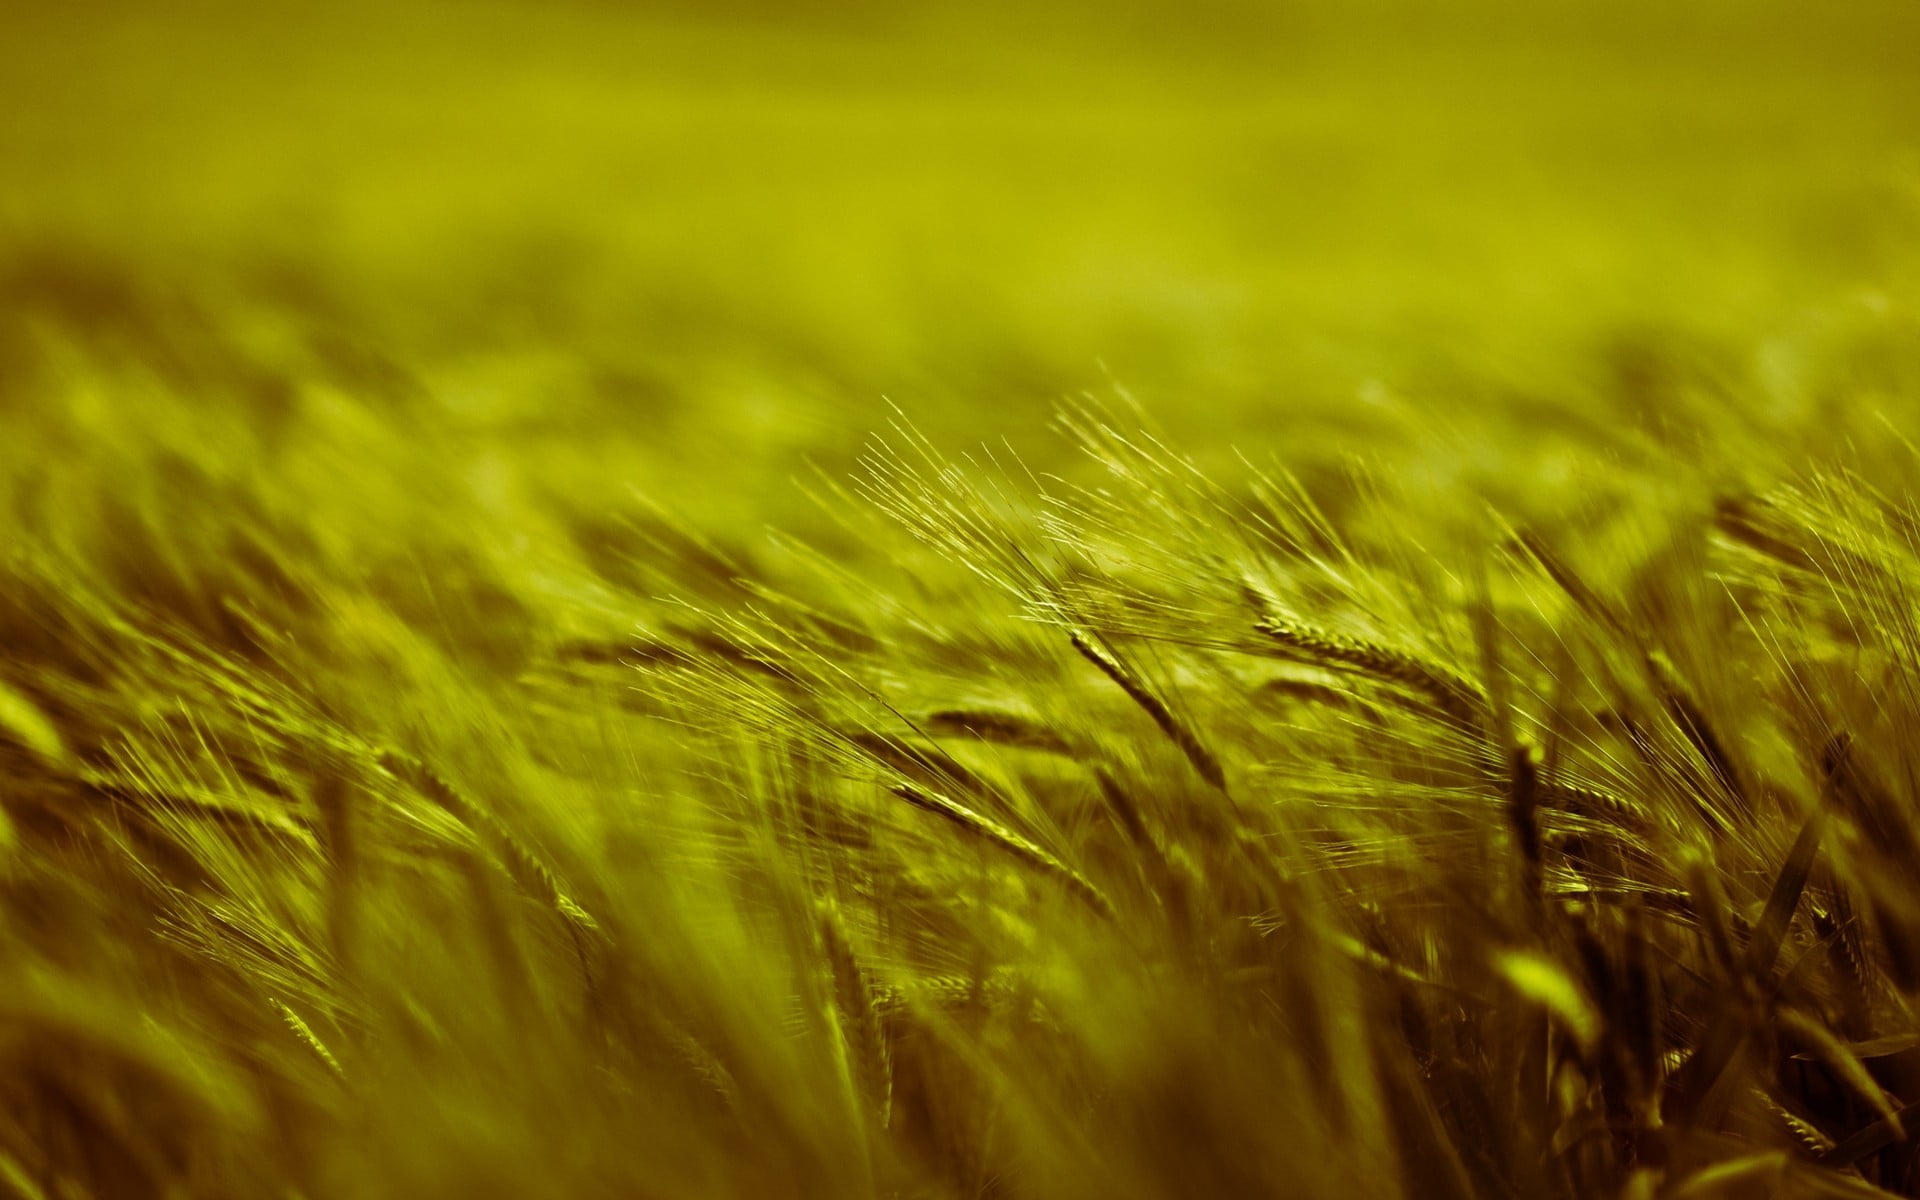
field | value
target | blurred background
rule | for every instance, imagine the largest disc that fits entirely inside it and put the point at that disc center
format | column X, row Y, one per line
column 693, row 246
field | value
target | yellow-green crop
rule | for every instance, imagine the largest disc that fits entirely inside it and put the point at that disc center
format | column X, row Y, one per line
column 848, row 600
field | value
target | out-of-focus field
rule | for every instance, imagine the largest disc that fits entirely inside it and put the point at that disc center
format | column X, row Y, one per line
column 1372, row 655
column 693, row 246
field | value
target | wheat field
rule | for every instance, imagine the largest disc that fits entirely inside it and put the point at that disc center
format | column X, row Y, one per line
column 947, row 601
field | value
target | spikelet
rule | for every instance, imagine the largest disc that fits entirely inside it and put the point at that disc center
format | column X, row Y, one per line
column 1803, row 1131
column 991, row 831
column 1459, row 699
column 522, row 863
column 859, row 1019
column 1178, row 732
column 307, row 1036
column 1000, row 728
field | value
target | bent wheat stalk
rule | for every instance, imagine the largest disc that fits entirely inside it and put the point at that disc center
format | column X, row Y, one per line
column 989, row 830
